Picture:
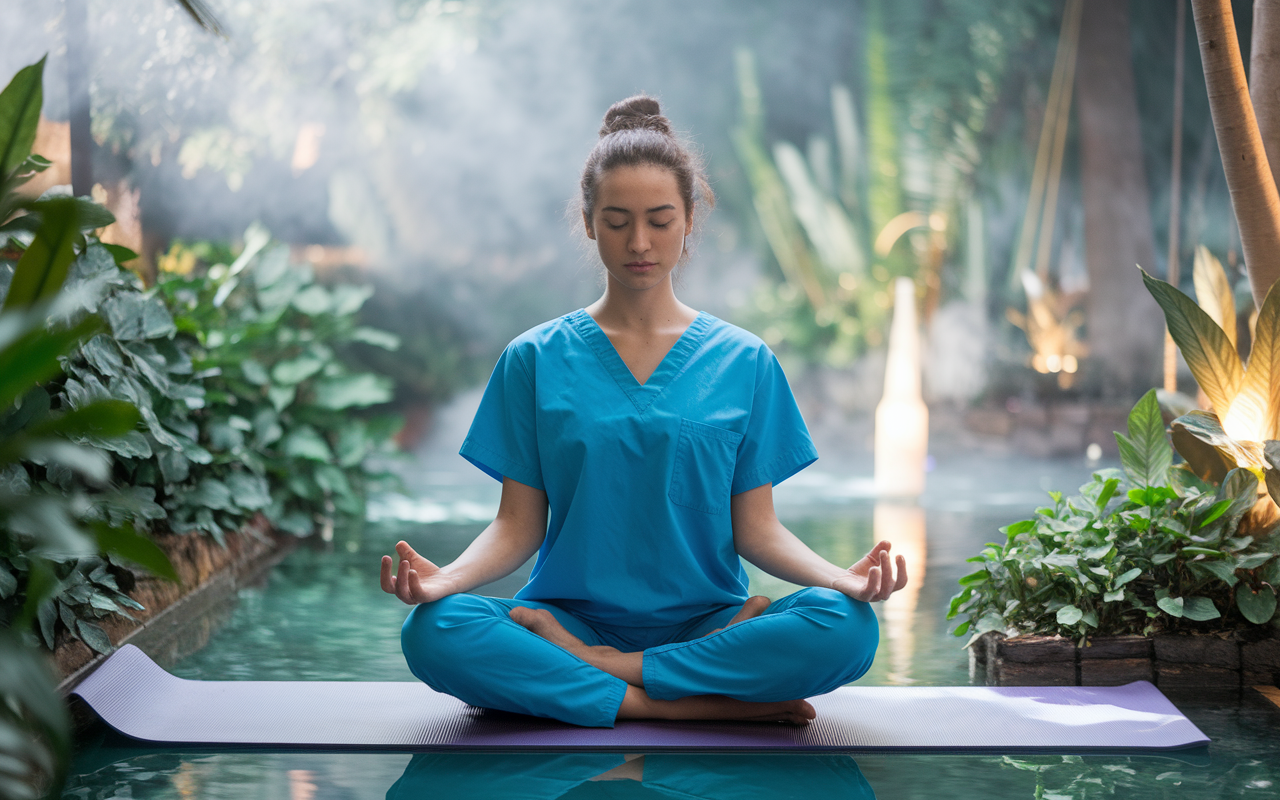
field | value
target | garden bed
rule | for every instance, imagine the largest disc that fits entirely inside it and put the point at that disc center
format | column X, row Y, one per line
column 1227, row 662
column 178, row 619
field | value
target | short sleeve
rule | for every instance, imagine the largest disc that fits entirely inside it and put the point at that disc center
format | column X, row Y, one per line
column 503, row 438
column 776, row 444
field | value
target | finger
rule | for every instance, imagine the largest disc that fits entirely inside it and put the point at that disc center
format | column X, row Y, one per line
column 388, row 579
column 885, row 587
column 873, row 580
column 416, row 591
column 902, row 574
column 402, row 584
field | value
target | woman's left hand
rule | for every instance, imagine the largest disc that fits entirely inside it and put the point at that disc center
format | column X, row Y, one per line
column 873, row 577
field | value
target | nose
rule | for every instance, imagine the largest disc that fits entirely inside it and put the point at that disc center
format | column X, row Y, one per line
column 639, row 240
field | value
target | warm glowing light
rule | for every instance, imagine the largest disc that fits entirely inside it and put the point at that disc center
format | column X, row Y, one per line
column 903, row 525
column 1069, row 363
column 902, row 419
column 1053, row 362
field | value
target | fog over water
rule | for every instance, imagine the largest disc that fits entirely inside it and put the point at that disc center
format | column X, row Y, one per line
column 445, row 139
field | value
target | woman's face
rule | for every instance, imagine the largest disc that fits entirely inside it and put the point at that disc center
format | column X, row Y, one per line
column 639, row 224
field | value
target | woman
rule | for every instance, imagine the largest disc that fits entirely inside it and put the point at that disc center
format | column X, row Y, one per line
column 638, row 442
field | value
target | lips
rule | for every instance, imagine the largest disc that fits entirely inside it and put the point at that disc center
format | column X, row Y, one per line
column 640, row 266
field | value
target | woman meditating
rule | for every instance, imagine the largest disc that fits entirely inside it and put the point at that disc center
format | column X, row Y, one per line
column 638, row 442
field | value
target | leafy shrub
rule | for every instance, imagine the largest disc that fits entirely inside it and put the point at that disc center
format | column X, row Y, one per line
column 277, row 416
column 1146, row 549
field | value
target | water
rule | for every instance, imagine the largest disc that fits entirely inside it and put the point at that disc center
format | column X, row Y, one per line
column 321, row 616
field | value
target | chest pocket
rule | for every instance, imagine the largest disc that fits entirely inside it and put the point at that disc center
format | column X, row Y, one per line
column 703, row 473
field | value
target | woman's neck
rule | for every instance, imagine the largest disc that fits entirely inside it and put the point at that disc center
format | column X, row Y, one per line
column 654, row 309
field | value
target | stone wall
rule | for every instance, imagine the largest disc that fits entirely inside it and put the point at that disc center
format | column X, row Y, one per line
column 1170, row 661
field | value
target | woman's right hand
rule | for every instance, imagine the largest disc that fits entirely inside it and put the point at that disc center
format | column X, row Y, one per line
column 415, row 580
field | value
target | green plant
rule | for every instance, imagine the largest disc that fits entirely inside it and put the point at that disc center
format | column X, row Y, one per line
column 1241, row 429
column 278, row 398
column 1149, row 548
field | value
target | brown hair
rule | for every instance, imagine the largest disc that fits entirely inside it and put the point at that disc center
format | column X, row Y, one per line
column 635, row 133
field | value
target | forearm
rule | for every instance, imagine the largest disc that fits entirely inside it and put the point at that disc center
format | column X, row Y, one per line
column 515, row 534
column 496, row 553
column 777, row 551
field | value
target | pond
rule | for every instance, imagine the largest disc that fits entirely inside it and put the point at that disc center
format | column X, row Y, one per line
column 321, row 616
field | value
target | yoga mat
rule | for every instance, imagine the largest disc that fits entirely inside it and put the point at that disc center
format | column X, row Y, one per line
column 139, row 699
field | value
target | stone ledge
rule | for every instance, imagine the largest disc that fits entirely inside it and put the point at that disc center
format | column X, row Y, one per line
column 1171, row 661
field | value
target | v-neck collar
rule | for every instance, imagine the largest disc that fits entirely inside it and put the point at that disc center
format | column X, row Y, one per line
column 642, row 395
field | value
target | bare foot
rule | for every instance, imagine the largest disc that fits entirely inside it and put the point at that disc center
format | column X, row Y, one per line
column 754, row 607
column 638, row 705
column 627, row 666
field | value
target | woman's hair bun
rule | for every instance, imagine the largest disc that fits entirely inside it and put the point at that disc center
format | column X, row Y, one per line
column 640, row 112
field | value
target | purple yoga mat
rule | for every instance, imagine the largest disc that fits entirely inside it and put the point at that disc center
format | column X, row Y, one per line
column 139, row 699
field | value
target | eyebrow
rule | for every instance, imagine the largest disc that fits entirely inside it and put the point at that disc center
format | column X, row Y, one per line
column 647, row 211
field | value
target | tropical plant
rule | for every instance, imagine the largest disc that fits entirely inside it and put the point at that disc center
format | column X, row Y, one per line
column 1241, row 428
column 1150, row 548
column 51, row 569
column 813, row 210
column 277, row 414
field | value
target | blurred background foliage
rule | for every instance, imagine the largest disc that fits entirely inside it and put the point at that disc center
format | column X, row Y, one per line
column 431, row 147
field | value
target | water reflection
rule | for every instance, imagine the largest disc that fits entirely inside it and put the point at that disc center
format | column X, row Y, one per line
column 902, row 524
column 519, row 776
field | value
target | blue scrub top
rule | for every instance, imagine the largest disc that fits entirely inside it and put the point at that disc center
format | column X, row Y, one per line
column 638, row 477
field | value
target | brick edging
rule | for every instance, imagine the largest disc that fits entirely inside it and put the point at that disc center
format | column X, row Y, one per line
column 1170, row 661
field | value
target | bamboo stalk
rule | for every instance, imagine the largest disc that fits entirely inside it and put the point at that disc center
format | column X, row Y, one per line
column 1039, row 173
column 1069, row 44
column 1244, row 159
column 1175, row 189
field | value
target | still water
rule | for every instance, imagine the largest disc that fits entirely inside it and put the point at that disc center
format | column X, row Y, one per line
column 321, row 616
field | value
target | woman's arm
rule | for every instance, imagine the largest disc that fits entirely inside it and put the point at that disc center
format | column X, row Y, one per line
column 515, row 534
column 760, row 538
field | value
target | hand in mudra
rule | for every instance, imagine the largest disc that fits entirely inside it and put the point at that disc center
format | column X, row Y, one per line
column 873, row 577
column 415, row 580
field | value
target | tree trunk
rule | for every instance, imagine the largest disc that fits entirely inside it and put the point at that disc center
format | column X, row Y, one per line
column 1125, row 331
column 1264, row 78
column 1244, row 158
column 78, row 65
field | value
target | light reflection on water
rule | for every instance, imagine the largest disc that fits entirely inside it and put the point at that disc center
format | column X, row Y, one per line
column 322, row 616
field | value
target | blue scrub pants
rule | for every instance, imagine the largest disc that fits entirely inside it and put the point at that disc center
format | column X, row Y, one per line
column 805, row 644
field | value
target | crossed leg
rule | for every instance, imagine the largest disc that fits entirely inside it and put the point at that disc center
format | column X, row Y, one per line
column 637, row 704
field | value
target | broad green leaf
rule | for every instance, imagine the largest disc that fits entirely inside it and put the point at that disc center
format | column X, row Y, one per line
column 1257, row 607
column 376, row 337
column 136, row 317
column 1173, row 606
column 94, row 636
column 133, row 546
column 20, row 104
column 1209, row 452
column 1121, row 580
column 249, row 491
column 1222, row 570
column 211, row 493
column 120, row 254
column 1145, row 452
column 313, row 300
column 1214, row 292
column 365, row 389
column 281, row 396
column 991, row 621
column 33, row 357
column 1069, row 615
column 1114, row 596
column 1199, row 609
column 348, row 298
column 1205, row 347
column 305, row 442
column 1253, row 413
column 101, row 418
column 103, row 354
column 1253, row 560
column 254, row 372
column 43, row 268
column 1108, row 491
column 295, row 371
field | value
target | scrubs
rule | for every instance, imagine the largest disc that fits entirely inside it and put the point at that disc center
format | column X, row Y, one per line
column 639, row 549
